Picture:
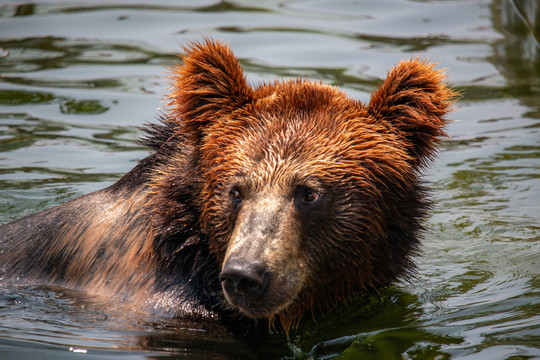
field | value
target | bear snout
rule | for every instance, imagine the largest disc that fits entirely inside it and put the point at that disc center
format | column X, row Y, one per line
column 263, row 269
column 244, row 282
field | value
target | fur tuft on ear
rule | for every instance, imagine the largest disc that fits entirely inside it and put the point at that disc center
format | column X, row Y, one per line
column 209, row 84
column 413, row 101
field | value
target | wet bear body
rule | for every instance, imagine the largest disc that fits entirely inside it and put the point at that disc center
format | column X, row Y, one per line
column 266, row 202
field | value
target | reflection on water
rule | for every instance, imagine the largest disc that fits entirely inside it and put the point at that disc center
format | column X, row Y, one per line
column 77, row 78
column 63, row 321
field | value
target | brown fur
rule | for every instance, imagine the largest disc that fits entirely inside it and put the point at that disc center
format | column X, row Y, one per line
column 318, row 190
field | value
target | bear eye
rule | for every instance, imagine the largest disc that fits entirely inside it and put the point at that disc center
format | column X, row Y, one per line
column 307, row 195
column 236, row 196
column 311, row 196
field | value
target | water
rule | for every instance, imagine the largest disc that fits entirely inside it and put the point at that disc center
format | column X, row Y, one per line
column 78, row 78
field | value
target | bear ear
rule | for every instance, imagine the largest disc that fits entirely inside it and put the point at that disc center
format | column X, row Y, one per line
column 209, row 84
column 413, row 101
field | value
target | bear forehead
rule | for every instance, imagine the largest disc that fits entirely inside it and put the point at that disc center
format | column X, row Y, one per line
column 297, row 97
column 301, row 129
column 301, row 113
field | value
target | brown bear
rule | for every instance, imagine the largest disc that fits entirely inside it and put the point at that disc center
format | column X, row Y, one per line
column 256, row 203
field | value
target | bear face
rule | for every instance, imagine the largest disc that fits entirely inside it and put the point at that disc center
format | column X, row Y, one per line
column 304, row 187
column 305, row 195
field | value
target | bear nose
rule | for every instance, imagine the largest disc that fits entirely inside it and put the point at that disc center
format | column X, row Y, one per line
column 244, row 281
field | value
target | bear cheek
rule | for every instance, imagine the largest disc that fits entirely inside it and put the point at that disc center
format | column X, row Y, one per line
column 263, row 269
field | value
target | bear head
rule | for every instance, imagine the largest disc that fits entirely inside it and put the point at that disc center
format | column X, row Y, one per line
column 305, row 195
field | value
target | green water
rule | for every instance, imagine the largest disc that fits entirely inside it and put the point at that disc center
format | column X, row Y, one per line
column 77, row 78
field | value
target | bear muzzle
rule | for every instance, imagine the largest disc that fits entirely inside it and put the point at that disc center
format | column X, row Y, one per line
column 263, row 269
